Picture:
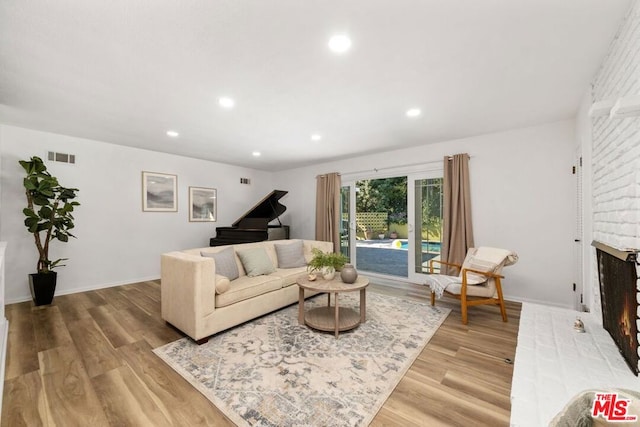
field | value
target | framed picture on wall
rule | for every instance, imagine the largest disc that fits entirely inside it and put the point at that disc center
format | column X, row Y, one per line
column 159, row 192
column 202, row 204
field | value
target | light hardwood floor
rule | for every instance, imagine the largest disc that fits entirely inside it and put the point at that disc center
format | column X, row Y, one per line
column 86, row 360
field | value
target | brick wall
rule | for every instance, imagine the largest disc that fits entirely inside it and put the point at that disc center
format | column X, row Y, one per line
column 616, row 147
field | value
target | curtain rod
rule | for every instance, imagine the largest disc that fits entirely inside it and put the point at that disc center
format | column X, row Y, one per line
column 390, row 167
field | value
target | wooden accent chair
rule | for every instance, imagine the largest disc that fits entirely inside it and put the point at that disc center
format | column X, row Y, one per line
column 478, row 281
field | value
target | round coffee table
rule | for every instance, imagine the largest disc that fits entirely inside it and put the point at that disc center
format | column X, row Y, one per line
column 330, row 318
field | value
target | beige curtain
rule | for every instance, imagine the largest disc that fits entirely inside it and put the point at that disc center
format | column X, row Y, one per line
column 328, row 209
column 457, row 235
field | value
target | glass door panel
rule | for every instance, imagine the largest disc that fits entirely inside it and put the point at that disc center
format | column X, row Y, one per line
column 380, row 212
column 425, row 224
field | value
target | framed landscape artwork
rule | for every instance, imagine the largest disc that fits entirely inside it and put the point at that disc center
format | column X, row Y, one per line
column 202, row 204
column 159, row 192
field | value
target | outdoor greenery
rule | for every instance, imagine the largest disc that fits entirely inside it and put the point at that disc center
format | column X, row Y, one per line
column 322, row 259
column 48, row 213
column 383, row 195
column 389, row 196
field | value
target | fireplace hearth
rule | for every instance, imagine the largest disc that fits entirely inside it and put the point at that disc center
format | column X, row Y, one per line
column 619, row 298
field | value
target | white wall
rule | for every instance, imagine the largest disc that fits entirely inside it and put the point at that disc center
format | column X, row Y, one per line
column 116, row 242
column 522, row 199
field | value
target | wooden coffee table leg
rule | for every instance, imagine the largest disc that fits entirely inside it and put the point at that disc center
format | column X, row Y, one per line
column 363, row 305
column 301, row 307
column 337, row 324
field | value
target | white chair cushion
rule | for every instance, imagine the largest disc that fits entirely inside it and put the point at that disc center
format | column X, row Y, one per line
column 487, row 289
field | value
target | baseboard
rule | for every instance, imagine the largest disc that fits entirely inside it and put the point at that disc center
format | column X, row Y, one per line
column 87, row 288
column 536, row 301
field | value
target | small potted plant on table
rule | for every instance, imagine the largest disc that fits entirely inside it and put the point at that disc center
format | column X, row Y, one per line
column 48, row 216
column 326, row 263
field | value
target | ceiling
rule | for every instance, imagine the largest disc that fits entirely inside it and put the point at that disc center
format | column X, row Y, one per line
column 126, row 71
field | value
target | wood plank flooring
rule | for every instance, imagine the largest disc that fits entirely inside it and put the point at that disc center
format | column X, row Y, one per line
column 87, row 360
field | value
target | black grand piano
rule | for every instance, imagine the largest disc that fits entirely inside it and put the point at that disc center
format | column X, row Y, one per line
column 254, row 226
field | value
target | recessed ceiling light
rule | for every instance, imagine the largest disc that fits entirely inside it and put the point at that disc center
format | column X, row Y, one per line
column 172, row 133
column 340, row 43
column 256, row 154
column 226, row 102
column 413, row 112
column 316, row 137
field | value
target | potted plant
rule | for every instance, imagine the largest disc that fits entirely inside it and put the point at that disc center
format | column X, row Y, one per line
column 48, row 216
column 326, row 263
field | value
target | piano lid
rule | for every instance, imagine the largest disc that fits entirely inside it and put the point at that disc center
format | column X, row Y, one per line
column 268, row 208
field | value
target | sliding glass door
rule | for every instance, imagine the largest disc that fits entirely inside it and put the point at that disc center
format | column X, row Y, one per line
column 392, row 226
column 426, row 224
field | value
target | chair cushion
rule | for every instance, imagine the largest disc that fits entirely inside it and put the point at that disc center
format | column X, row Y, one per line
column 486, row 290
column 256, row 262
column 290, row 255
column 453, row 284
column 225, row 262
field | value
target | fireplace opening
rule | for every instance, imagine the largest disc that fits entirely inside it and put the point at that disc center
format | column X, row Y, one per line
column 618, row 296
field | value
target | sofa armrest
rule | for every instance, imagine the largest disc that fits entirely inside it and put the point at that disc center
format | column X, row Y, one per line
column 187, row 291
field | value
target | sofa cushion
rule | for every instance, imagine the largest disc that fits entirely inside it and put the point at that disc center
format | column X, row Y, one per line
column 246, row 287
column 289, row 275
column 256, row 262
column 290, row 255
column 225, row 262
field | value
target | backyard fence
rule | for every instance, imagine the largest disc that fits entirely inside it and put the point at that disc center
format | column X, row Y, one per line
column 371, row 223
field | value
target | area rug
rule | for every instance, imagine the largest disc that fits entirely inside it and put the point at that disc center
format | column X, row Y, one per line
column 273, row 372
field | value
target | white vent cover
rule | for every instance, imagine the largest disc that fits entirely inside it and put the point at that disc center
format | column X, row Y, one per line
column 61, row 157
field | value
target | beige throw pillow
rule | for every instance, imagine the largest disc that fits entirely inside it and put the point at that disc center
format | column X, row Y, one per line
column 256, row 262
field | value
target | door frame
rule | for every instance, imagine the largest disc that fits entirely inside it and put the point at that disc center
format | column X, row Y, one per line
column 413, row 172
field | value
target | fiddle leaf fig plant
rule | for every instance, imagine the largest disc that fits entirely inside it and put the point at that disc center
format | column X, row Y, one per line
column 48, row 215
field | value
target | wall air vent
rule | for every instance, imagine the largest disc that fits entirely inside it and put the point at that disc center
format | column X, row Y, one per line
column 245, row 181
column 61, row 157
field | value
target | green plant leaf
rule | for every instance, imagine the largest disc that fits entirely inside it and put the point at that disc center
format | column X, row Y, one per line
column 45, row 212
column 30, row 213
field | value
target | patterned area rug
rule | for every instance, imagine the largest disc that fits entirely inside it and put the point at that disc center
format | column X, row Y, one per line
column 274, row 372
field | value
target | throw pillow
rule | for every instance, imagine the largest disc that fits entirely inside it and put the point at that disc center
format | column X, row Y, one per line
column 222, row 284
column 474, row 263
column 225, row 263
column 290, row 255
column 256, row 262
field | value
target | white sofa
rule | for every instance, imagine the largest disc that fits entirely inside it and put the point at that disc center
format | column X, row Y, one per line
column 201, row 303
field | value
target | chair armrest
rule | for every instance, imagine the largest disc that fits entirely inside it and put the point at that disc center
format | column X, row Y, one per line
column 442, row 262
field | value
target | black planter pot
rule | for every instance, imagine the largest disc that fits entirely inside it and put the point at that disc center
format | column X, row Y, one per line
column 43, row 286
